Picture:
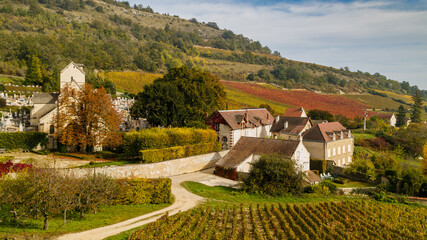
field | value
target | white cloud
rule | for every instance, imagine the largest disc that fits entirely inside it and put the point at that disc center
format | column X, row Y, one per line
column 373, row 36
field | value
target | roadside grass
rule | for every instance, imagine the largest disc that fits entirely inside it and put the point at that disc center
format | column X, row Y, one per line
column 107, row 215
column 104, row 164
column 236, row 96
column 221, row 194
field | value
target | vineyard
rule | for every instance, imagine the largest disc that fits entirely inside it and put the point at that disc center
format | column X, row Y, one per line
column 329, row 220
column 309, row 100
column 132, row 82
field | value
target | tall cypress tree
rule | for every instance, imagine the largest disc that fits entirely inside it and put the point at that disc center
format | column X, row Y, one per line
column 34, row 72
column 416, row 107
column 400, row 116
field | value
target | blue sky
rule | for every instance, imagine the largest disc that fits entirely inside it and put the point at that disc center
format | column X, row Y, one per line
column 389, row 37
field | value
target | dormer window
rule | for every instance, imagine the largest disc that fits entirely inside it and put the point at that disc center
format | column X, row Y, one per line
column 334, row 136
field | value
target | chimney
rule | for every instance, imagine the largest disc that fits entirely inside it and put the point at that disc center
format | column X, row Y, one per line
column 277, row 118
column 286, row 125
column 246, row 116
column 268, row 116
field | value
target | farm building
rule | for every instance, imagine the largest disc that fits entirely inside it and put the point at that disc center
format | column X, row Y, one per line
column 231, row 125
column 330, row 141
column 290, row 128
column 238, row 160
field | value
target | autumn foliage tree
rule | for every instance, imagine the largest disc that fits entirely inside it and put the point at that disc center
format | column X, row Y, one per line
column 86, row 118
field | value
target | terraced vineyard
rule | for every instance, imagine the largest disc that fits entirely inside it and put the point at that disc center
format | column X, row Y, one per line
column 329, row 220
column 132, row 82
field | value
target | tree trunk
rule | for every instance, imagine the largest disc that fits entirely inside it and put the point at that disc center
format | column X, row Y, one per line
column 46, row 223
column 81, row 214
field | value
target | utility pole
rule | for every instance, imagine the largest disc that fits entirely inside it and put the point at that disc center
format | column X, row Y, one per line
column 364, row 120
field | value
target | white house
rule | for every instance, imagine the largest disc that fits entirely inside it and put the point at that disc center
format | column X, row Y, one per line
column 248, row 149
column 231, row 125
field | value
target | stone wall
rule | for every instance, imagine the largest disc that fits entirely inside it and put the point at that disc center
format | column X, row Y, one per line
column 155, row 170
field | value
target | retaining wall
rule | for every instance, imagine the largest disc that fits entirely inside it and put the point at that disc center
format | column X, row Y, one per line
column 155, row 170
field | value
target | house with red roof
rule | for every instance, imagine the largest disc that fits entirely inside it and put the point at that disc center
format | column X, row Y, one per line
column 290, row 128
column 330, row 141
column 231, row 125
column 248, row 149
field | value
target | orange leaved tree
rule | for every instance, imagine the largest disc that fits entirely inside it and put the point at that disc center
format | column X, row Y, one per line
column 86, row 118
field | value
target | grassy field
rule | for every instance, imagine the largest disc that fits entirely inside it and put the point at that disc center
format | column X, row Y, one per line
column 363, row 135
column 132, row 82
column 226, row 194
column 376, row 101
column 239, row 99
column 351, row 184
column 11, row 79
column 107, row 215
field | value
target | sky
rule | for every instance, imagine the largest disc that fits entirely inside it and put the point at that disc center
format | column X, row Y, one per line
column 388, row 37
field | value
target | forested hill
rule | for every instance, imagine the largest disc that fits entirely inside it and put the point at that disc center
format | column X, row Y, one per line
column 107, row 35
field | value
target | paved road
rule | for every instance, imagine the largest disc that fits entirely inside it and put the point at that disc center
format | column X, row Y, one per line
column 184, row 201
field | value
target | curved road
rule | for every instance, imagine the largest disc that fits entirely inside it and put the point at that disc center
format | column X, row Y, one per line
column 184, row 200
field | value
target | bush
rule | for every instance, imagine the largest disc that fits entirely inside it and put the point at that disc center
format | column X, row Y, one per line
column 158, row 155
column 363, row 166
column 340, row 180
column 412, row 181
column 156, row 138
column 142, row 190
column 319, row 165
column 331, row 187
column 273, row 175
column 22, row 140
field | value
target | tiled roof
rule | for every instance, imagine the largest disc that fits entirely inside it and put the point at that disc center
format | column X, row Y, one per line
column 294, row 112
column 246, row 146
column 45, row 98
column 246, row 118
column 295, row 125
column 325, row 132
column 312, row 177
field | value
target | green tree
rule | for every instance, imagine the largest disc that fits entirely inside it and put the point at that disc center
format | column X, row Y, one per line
column 400, row 116
column 412, row 138
column 416, row 107
column 34, row 72
column 179, row 98
column 317, row 114
column 363, row 166
column 268, row 107
column 274, row 175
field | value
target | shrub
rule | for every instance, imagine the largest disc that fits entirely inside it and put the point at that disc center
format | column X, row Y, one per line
column 22, row 140
column 340, row 180
column 331, row 187
column 412, row 181
column 156, row 138
column 143, row 190
column 363, row 166
column 273, row 175
column 158, row 155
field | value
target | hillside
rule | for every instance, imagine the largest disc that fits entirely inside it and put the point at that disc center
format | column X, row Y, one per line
column 111, row 35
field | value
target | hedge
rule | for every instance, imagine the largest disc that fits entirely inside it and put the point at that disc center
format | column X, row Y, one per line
column 144, row 190
column 158, row 155
column 158, row 138
column 22, row 140
column 319, row 165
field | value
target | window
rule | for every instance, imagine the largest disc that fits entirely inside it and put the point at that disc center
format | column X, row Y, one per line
column 349, row 148
column 52, row 129
column 349, row 159
column 217, row 127
column 329, row 152
column 333, row 152
column 339, row 162
column 339, row 150
column 343, row 149
column 224, row 139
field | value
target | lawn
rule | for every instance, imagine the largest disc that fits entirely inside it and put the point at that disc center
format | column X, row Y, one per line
column 351, row 184
column 227, row 194
column 363, row 135
column 107, row 215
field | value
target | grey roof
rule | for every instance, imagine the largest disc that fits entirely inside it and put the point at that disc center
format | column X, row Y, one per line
column 45, row 98
column 246, row 146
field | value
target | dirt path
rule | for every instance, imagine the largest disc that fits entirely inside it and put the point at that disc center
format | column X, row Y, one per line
column 184, row 201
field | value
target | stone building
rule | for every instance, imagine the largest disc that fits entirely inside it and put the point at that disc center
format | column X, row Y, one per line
column 330, row 141
column 290, row 128
column 231, row 125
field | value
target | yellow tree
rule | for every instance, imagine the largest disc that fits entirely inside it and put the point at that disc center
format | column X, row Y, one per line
column 86, row 118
